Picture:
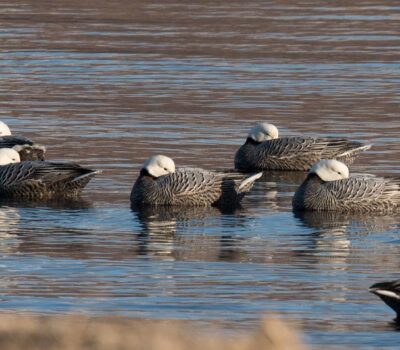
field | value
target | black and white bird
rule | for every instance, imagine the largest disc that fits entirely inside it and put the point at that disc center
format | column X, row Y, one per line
column 329, row 186
column 265, row 150
column 27, row 149
column 40, row 179
column 160, row 183
column 389, row 292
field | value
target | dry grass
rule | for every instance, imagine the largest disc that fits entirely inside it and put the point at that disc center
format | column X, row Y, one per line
column 23, row 332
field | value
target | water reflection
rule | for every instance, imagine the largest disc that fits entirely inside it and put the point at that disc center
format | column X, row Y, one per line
column 158, row 218
column 9, row 220
column 275, row 189
column 186, row 233
column 331, row 221
column 55, row 203
column 333, row 234
column 160, row 225
column 70, row 230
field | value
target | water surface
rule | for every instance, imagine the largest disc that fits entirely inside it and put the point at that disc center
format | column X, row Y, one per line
column 108, row 84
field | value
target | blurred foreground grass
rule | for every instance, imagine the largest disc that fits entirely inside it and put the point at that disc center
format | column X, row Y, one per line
column 70, row 332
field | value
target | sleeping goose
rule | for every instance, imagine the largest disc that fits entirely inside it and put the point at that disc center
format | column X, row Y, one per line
column 159, row 183
column 389, row 292
column 264, row 150
column 329, row 187
column 27, row 149
column 40, row 180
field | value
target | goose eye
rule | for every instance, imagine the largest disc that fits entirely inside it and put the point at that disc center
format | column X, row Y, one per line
column 165, row 169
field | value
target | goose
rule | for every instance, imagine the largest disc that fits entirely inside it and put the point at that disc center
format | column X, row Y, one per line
column 160, row 183
column 27, row 149
column 264, row 150
column 40, row 179
column 389, row 292
column 328, row 186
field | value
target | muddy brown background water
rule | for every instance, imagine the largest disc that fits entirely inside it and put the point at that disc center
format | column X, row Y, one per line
column 109, row 83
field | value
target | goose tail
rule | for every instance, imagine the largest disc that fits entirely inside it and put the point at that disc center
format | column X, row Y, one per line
column 87, row 176
column 247, row 183
column 353, row 151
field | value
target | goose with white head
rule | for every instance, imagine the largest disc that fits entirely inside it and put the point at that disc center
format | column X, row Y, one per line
column 9, row 156
column 35, row 180
column 159, row 165
column 330, row 170
column 160, row 183
column 265, row 150
column 263, row 132
column 4, row 129
column 329, row 186
column 27, row 149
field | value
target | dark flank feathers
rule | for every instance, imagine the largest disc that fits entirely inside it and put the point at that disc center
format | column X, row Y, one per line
column 43, row 180
column 389, row 292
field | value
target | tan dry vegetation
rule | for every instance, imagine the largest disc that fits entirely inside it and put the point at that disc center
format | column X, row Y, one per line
column 19, row 332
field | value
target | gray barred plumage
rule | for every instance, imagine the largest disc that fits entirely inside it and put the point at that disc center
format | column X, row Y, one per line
column 188, row 186
column 43, row 180
column 265, row 152
column 347, row 194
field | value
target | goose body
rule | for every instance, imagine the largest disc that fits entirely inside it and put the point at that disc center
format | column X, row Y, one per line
column 389, row 292
column 27, row 149
column 264, row 150
column 328, row 186
column 159, row 183
column 40, row 180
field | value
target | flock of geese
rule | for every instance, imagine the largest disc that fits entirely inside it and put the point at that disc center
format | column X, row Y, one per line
column 24, row 174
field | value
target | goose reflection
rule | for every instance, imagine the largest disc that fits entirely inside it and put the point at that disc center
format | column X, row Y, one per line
column 184, row 233
column 9, row 219
column 274, row 190
column 359, row 222
column 331, row 238
column 54, row 203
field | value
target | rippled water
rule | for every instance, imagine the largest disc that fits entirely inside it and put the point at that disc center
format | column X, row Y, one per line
column 108, row 84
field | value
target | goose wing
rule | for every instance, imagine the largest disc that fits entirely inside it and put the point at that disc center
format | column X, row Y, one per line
column 300, row 153
column 364, row 189
column 339, row 147
column 288, row 153
column 45, row 172
column 11, row 141
column 291, row 147
column 192, row 182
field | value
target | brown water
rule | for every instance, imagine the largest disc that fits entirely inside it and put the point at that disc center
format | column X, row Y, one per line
column 109, row 83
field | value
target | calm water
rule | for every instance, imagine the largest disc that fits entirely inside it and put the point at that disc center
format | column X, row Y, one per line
column 108, row 84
